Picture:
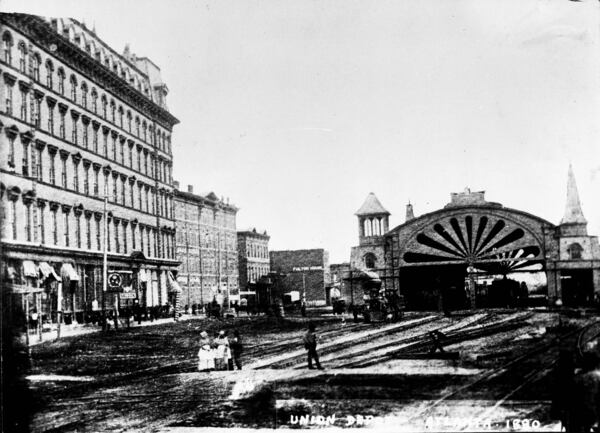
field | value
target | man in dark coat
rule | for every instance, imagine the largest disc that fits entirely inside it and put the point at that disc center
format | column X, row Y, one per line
column 310, row 344
column 235, row 344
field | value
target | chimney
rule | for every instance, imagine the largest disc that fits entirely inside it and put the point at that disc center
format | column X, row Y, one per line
column 191, row 189
column 409, row 212
column 176, row 184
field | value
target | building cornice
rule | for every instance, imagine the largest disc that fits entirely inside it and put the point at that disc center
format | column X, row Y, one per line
column 42, row 32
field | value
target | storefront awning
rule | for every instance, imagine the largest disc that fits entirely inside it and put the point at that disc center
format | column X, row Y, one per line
column 67, row 271
column 47, row 271
column 173, row 284
column 30, row 269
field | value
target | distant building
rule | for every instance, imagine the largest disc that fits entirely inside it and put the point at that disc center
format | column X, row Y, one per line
column 253, row 259
column 478, row 253
column 307, row 272
column 79, row 120
column 206, row 246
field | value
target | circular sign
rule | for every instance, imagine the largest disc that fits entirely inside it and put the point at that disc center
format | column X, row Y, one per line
column 114, row 280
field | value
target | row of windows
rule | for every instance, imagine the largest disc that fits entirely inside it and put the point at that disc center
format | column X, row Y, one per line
column 71, row 227
column 204, row 214
column 71, row 172
column 216, row 238
column 88, row 98
column 255, row 272
column 257, row 251
column 208, row 264
column 87, row 134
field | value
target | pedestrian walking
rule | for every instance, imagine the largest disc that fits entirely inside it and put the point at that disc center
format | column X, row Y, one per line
column 206, row 354
column 223, row 351
column 310, row 344
column 303, row 309
column 236, row 349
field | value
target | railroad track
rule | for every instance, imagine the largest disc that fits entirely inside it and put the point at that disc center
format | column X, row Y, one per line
column 514, row 369
column 348, row 341
column 390, row 350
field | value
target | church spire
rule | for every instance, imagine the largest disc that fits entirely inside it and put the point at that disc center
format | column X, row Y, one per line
column 409, row 212
column 573, row 212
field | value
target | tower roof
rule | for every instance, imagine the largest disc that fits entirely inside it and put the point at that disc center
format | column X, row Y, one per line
column 371, row 206
column 573, row 212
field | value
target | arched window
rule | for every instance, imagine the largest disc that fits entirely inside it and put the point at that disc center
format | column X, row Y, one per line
column 49, row 74
column 368, row 228
column 144, row 131
column 113, row 111
column 7, row 43
column 36, row 61
column 73, row 82
column 61, row 81
column 129, row 121
column 104, row 107
column 121, row 116
column 370, row 260
column 94, row 96
column 84, row 94
column 575, row 251
column 22, row 56
column 137, row 127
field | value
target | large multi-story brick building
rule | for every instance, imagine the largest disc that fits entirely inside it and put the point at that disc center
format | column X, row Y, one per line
column 206, row 247
column 78, row 121
column 253, row 258
column 306, row 272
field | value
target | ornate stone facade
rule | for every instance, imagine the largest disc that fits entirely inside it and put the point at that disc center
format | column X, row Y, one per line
column 80, row 121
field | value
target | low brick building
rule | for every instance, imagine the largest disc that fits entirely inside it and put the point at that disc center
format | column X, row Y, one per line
column 307, row 272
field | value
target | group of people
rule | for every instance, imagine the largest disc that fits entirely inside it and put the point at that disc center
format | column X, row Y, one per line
column 220, row 352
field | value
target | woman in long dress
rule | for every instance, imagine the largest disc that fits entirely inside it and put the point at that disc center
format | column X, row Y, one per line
column 206, row 354
column 223, row 352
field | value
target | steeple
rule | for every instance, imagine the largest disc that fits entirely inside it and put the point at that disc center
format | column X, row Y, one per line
column 409, row 212
column 373, row 219
column 573, row 212
column 371, row 206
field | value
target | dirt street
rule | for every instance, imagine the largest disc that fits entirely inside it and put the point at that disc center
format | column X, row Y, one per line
column 495, row 368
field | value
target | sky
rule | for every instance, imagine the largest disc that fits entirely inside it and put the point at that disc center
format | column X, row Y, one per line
column 296, row 109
